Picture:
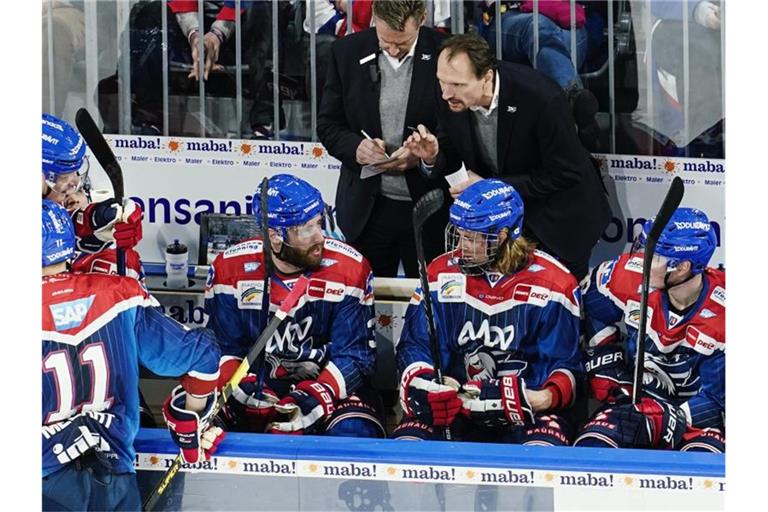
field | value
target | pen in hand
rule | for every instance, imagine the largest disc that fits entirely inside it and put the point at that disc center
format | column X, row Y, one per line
column 371, row 139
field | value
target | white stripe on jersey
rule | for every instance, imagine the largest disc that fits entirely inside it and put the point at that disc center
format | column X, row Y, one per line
column 338, row 378
column 98, row 323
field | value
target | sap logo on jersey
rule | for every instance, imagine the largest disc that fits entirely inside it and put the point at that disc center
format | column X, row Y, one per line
column 537, row 295
column 326, row 290
column 69, row 315
column 451, row 287
column 489, row 335
column 250, row 294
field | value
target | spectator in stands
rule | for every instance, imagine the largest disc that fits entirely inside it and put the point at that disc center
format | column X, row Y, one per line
column 704, row 89
column 380, row 82
column 554, row 57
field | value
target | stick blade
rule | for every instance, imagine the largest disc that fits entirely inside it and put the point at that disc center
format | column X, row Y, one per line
column 426, row 206
column 101, row 150
column 671, row 202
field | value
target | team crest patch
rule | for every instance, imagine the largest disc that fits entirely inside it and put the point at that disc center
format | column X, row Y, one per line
column 451, row 287
column 250, row 294
column 632, row 317
column 718, row 295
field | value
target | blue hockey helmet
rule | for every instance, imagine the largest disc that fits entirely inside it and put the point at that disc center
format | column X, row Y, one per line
column 482, row 211
column 58, row 234
column 688, row 236
column 63, row 155
column 488, row 206
column 291, row 202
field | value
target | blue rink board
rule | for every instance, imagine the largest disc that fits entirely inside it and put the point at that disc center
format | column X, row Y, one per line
column 451, row 454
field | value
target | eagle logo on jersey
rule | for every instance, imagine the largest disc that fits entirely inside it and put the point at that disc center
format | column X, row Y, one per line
column 669, row 376
column 484, row 364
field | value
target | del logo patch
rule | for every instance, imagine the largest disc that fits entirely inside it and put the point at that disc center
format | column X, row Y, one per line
column 537, row 295
column 69, row 315
column 450, row 287
column 250, row 294
column 326, row 290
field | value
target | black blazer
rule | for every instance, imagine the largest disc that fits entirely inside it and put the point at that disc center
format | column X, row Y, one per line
column 351, row 103
column 539, row 153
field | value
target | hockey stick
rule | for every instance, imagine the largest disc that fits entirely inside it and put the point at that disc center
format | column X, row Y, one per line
column 668, row 207
column 106, row 158
column 288, row 303
column 424, row 208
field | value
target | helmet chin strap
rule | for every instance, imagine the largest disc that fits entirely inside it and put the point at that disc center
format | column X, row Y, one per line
column 669, row 273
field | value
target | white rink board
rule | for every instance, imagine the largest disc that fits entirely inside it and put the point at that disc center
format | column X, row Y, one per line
column 175, row 178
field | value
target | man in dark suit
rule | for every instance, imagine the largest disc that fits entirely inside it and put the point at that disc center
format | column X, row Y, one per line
column 511, row 122
column 381, row 81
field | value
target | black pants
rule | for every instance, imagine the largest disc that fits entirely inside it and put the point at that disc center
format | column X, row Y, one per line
column 388, row 238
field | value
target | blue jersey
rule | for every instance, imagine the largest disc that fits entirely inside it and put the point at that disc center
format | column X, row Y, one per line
column 330, row 335
column 97, row 329
column 489, row 326
column 684, row 355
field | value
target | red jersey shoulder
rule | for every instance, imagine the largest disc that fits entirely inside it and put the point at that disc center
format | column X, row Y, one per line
column 545, row 270
column 343, row 263
column 244, row 260
column 622, row 276
column 105, row 262
column 73, row 301
column 443, row 264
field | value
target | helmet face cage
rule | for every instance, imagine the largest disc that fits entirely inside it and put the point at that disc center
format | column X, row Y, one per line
column 474, row 251
column 71, row 182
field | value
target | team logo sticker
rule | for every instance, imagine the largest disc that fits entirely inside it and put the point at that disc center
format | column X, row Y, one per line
column 250, row 294
column 632, row 317
column 718, row 295
column 451, row 287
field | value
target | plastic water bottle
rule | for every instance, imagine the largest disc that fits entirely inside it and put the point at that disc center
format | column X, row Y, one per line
column 176, row 265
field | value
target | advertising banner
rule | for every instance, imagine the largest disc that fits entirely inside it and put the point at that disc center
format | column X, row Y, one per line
column 177, row 179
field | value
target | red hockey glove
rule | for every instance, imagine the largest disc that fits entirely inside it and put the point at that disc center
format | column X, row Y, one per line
column 192, row 431
column 308, row 404
column 128, row 231
column 429, row 401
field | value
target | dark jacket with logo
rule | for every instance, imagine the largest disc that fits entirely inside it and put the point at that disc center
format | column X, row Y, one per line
column 351, row 104
column 539, row 153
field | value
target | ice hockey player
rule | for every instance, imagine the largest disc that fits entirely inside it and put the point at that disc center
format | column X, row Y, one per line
column 682, row 403
column 98, row 226
column 96, row 330
column 507, row 319
column 314, row 378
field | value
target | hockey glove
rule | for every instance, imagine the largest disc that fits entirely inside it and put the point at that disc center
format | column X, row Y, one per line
column 497, row 403
column 429, row 401
column 192, row 431
column 305, row 406
column 607, row 373
column 128, row 230
column 248, row 408
column 666, row 423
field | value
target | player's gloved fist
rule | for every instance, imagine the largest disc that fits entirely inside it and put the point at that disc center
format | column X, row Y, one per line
column 427, row 400
column 128, row 231
column 250, row 408
column 497, row 403
column 192, row 431
column 607, row 374
column 103, row 217
column 305, row 406
column 666, row 423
